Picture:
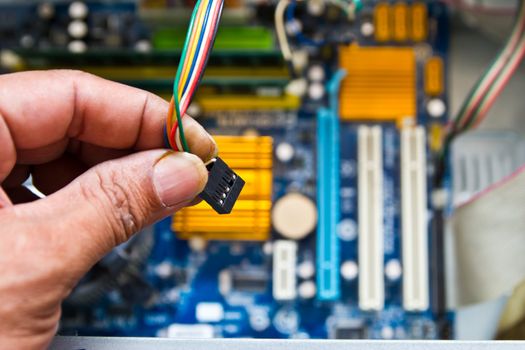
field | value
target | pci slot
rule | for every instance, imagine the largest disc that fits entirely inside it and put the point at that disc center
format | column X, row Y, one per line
column 370, row 218
column 414, row 232
column 284, row 264
column 328, row 201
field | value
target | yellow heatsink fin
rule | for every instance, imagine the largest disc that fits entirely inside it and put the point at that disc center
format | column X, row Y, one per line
column 251, row 157
column 400, row 14
column 382, row 22
column 419, row 22
column 380, row 84
column 249, row 221
column 434, row 76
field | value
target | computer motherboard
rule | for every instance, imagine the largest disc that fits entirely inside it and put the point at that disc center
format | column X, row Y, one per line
column 336, row 233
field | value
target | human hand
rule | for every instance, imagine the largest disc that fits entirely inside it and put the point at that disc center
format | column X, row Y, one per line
column 95, row 148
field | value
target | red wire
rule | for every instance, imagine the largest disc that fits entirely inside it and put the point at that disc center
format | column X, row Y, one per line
column 200, row 68
column 490, row 103
column 172, row 132
column 494, row 76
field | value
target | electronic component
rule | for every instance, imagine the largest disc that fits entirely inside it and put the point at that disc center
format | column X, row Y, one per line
column 189, row 331
column 382, row 22
column 400, row 17
column 436, row 108
column 214, row 103
column 370, row 220
column 250, row 280
column 249, row 221
column 414, row 221
column 328, row 182
column 434, row 76
column 393, row 270
column 349, row 329
column 207, row 312
column 419, row 22
column 223, row 187
column 400, row 22
column 284, row 266
column 307, row 290
column 228, row 38
column 284, row 152
column 349, row 270
column 306, row 269
column 118, row 269
column 294, row 216
column 380, row 84
column 435, row 136
column 251, row 159
column 243, row 279
column 346, row 281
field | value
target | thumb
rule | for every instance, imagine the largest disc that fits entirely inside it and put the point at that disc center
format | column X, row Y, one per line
column 106, row 205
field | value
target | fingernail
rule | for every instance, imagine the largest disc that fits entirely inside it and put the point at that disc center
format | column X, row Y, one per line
column 206, row 148
column 214, row 148
column 179, row 177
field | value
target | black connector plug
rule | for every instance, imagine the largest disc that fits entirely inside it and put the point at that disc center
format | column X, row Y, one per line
column 223, row 186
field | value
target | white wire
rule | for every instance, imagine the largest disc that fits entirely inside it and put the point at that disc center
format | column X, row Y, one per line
column 280, row 30
column 177, row 140
column 200, row 56
column 500, row 64
column 509, row 70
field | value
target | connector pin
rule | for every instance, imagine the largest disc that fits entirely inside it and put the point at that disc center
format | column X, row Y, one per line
column 223, row 187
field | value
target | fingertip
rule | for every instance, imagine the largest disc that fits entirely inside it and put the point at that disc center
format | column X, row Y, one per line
column 200, row 142
column 179, row 177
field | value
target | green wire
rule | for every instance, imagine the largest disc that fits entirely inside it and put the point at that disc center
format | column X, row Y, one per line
column 474, row 91
column 185, row 146
column 520, row 16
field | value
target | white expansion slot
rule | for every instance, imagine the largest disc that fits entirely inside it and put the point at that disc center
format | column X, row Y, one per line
column 414, row 223
column 370, row 218
column 284, row 264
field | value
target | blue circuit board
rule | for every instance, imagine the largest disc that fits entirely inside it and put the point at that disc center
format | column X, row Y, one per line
column 251, row 311
column 302, row 318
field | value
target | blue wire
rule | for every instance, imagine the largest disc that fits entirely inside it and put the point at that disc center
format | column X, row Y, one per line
column 206, row 17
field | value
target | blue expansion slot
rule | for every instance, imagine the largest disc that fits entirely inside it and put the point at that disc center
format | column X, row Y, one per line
column 328, row 201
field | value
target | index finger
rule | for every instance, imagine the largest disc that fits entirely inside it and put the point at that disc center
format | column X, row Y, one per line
column 45, row 107
column 41, row 111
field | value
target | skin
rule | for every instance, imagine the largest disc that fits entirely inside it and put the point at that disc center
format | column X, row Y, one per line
column 95, row 148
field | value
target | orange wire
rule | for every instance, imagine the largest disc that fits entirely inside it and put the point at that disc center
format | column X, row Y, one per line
column 169, row 123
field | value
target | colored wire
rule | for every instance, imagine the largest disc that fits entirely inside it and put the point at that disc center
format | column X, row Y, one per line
column 501, row 83
column 280, row 29
column 199, row 41
column 490, row 85
column 486, row 91
column 497, row 67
